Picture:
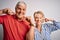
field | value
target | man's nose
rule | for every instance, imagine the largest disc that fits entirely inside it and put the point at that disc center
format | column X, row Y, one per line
column 21, row 11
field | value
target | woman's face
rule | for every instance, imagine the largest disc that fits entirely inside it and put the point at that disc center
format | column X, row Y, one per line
column 39, row 18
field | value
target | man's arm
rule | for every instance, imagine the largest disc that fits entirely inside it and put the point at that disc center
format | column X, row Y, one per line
column 6, row 11
column 30, row 34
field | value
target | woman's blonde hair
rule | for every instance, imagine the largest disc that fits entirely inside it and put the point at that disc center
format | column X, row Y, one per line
column 38, row 12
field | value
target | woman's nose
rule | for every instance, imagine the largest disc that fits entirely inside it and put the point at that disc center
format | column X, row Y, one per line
column 38, row 20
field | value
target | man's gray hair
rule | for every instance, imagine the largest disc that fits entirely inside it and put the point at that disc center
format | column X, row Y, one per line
column 19, row 3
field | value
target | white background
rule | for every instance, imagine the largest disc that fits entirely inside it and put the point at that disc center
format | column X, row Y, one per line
column 51, row 9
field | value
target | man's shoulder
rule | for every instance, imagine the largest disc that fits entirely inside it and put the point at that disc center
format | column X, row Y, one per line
column 6, row 16
column 3, row 16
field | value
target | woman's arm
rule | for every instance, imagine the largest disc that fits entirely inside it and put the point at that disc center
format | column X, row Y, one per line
column 54, row 26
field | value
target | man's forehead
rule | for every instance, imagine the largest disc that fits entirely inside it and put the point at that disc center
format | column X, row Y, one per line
column 21, row 2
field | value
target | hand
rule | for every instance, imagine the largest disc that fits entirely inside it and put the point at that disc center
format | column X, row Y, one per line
column 48, row 19
column 29, row 20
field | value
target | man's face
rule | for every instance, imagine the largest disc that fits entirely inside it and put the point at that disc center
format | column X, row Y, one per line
column 20, row 10
column 39, row 18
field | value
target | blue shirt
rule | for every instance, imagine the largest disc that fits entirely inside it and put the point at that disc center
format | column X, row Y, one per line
column 47, row 28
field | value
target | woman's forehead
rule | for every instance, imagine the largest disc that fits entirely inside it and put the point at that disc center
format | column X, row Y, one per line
column 38, row 15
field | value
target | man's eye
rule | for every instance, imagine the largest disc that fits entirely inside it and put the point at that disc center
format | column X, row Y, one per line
column 24, row 9
column 18, row 8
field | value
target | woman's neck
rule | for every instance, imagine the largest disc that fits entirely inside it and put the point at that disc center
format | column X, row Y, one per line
column 39, row 27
